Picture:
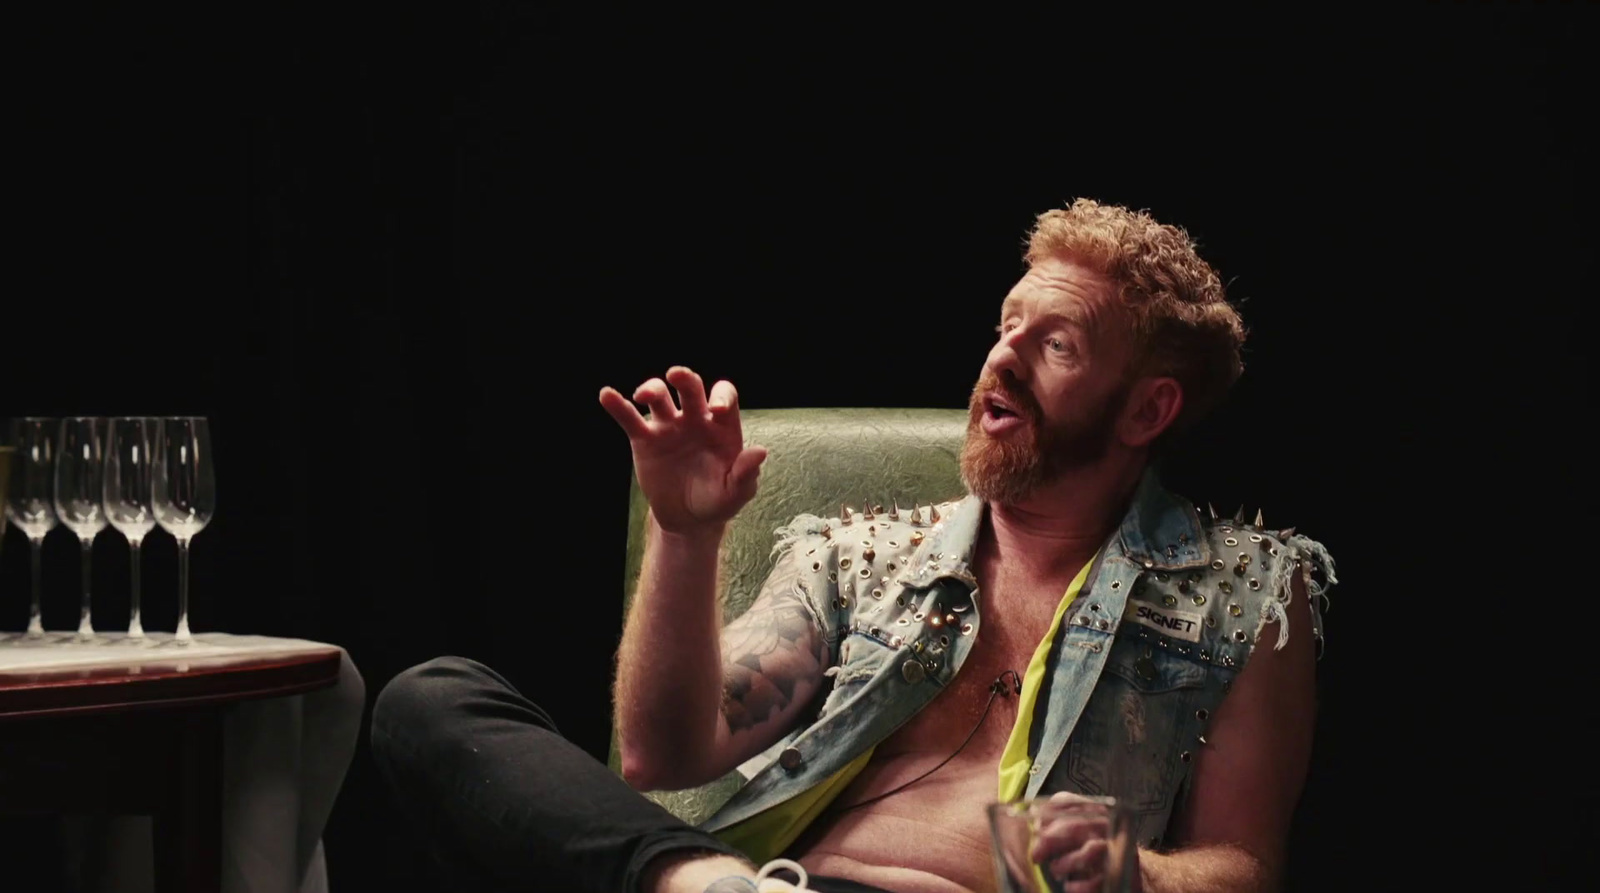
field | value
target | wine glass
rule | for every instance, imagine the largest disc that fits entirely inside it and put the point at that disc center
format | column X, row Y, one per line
column 80, row 491
column 128, row 496
column 1086, row 843
column 184, row 494
column 6, row 451
column 30, row 500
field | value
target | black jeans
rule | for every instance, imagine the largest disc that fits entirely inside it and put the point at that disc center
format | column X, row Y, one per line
column 506, row 803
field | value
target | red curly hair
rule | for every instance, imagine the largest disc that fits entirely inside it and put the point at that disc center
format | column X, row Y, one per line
column 1176, row 307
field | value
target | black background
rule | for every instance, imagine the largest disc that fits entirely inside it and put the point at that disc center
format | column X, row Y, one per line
column 393, row 252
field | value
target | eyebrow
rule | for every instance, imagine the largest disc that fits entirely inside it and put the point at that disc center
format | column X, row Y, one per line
column 1075, row 318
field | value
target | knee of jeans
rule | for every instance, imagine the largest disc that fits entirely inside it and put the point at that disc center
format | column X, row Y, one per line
column 414, row 699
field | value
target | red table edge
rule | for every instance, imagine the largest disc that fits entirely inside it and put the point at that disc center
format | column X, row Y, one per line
column 70, row 691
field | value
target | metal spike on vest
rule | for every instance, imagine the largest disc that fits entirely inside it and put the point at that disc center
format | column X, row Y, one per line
column 1212, row 511
column 844, row 514
column 1238, row 514
column 894, row 510
column 866, row 510
column 933, row 514
column 1257, row 523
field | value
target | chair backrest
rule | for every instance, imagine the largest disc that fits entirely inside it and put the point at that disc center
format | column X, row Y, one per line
column 817, row 460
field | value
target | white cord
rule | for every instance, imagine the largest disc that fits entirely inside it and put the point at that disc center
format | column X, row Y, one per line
column 783, row 863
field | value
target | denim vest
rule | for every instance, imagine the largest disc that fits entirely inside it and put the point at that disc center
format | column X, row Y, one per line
column 1145, row 654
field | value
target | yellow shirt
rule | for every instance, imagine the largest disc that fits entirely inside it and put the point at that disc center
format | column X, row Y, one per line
column 1015, row 759
column 765, row 835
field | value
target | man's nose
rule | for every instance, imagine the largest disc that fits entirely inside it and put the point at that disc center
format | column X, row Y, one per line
column 1005, row 362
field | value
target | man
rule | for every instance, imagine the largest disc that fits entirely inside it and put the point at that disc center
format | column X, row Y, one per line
column 1068, row 629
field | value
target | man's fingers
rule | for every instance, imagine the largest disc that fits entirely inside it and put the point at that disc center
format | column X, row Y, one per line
column 724, row 406
column 724, row 396
column 691, row 391
column 623, row 410
column 747, row 465
column 1064, row 834
column 1086, row 863
column 653, row 394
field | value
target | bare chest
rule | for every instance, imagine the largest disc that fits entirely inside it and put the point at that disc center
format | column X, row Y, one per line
column 1015, row 616
column 893, row 812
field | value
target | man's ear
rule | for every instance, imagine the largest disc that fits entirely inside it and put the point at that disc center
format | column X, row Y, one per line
column 1153, row 405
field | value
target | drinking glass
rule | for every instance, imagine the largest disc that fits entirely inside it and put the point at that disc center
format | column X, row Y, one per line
column 1065, row 843
column 30, row 499
column 79, row 492
column 127, row 499
column 6, row 451
column 183, row 493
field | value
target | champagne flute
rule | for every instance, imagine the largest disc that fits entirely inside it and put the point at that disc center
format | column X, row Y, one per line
column 128, row 497
column 80, row 491
column 184, row 494
column 30, row 500
column 6, row 451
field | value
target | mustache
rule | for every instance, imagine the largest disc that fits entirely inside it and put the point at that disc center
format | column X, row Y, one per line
column 1020, row 400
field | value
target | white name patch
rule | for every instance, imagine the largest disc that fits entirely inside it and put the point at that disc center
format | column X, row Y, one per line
column 1183, row 625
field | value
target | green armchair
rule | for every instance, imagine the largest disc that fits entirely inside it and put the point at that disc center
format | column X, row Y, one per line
column 817, row 460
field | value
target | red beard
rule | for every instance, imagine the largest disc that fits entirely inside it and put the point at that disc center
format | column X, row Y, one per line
column 1006, row 469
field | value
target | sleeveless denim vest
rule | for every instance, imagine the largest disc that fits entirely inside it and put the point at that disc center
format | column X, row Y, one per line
column 1145, row 654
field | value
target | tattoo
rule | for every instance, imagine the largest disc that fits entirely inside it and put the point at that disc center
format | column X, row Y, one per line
column 768, row 651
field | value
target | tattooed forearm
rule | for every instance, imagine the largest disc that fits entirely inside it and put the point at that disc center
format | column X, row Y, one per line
column 769, row 652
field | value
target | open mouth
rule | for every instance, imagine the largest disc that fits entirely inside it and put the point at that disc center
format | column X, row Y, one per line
column 999, row 415
column 998, row 409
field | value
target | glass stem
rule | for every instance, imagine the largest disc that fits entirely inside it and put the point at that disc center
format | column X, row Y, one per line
column 85, row 625
column 35, row 621
column 135, row 625
column 183, row 592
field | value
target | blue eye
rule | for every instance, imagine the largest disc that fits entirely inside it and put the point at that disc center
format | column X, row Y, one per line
column 1055, row 344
